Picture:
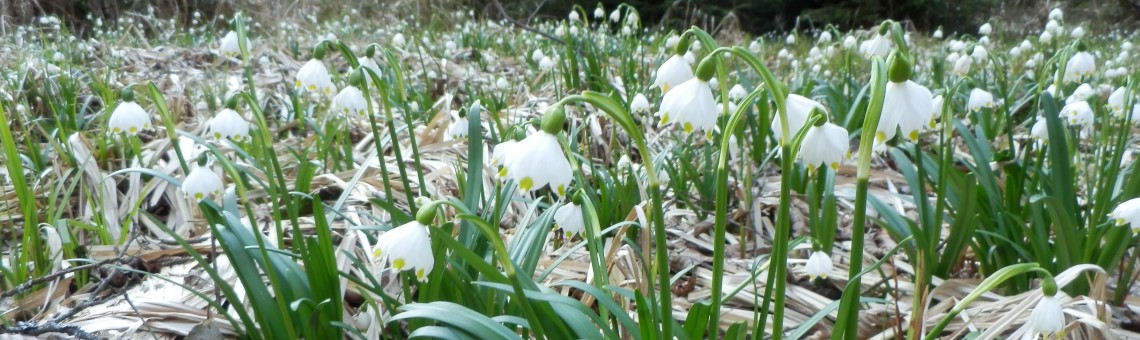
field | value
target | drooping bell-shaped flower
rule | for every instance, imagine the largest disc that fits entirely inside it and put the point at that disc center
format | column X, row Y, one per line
column 350, row 101
column 201, row 183
column 569, row 219
column 1128, row 212
column 228, row 124
column 818, row 265
column 407, row 247
column 1079, row 113
column 673, row 72
column 824, row 145
column 824, row 37
column 1116, row 101
column 538, row 161
column 880, row 46
column 314, row 77
column 129, row 117
column 639, row 104
column 986, row 29
column 1056, row 14
column 1077, row 33
column 907, row 106
column 1081, row 64
column 1040, row 130
column 1047, row 318
column 691, row 104
column 979, row 99
column 230, row 46
column 798, row 109
column 737, row 92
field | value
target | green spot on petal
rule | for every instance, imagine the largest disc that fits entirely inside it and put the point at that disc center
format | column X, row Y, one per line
column 398, row 264
column 526, row 183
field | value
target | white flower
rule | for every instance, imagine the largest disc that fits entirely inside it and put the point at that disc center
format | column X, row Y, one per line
column 690, row 58
column 229, row 45
column 880, row 46
column 1053, row 27
column 350, row 100
column 1045, row 37
column 1128, row 212
column 818, row 265
column 791, row 39
column 824, row 145
column 201, row 183
column 937, row 34
column 1079, row 65
column 1040, row 130
column 1083, row 92
column 1078, row 113
column 1077, row 33
column 546, row 64
column 985, row 29
column 599, row 13
column 849, row 42
column 980, row 53
column 936, row 108
column 1056, row 14
column 228, row 124
column 825, row 37
column 407, row 247
column 798, row 107
column 615, row 16
column 129, row 117
column 502, row 83
column 398, row 40
column 962, row 66
column 314, row 77
column 1047, row 317
column 691, row 105
column 672, row 41
column 536, row 162
column 499, row 156
column 979, row 99
column 369, row 64
column 569, row 219
column 737, row 92
column 672, row 72
column 640, row 104
column 458, row 128
column 755, row 47
column 537, row 55
column 906, row 105
column 573, row 15
column 1116, row 101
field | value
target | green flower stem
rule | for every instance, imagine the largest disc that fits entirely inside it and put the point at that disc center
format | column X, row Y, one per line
column 847, row 326
column 721, row 219
column 776, row 280
column 618, row 113
column 375, row 133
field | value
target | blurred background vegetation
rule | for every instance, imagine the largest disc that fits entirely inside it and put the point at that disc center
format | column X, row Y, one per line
column 723, row 16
